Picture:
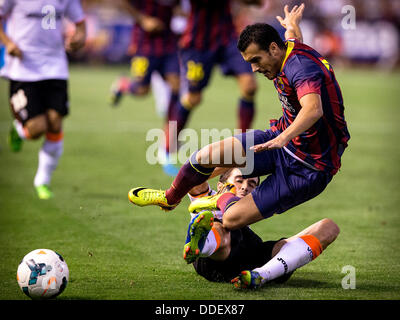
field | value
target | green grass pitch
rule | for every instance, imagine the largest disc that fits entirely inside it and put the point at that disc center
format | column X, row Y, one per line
column 117, row 251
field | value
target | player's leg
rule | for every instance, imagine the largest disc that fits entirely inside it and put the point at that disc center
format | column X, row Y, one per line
column 49, row 155
column 293, row 253
column 172, row 77
column 196, row 170
column 290, row 184
column 239, row 212
column 36, row 127
column 246, row 105
column 230, row 152
column 196, row 71
column 161, row 93
column 53, row 145
column 29, row 113
column 138, row 84
column 213, row 242
column 325, row 230
column 232, row 63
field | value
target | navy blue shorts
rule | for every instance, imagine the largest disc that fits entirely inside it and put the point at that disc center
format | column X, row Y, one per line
column 142, row 67
column 197, row 65
column 289, row 182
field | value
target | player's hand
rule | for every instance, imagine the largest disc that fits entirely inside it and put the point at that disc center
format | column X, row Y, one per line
column 13, row 50
column 151, row 24
column 276, row 143
column 293, row 17
column 77, row 41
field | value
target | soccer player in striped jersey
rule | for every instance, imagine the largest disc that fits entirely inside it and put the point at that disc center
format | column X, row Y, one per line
column 37, row 68
column 300, row 153
column 154, row 48
column 208, row 40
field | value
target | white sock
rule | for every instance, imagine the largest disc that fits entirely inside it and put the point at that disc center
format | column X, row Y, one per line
column 49, row 155
column 20, row 129
column 293, row 255
column 211, row 244
column 161, row 93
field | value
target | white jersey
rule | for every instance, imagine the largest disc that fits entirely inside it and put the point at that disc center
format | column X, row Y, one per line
column 36, row 27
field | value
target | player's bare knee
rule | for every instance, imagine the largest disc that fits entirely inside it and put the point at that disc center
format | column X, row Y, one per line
column 250, row 91
column 330, row 231
column 36, row 127
column 203, row 156
column 174, row 83
column 193, row 99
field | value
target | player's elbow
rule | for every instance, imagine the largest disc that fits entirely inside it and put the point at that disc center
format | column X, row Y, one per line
column 319, row 112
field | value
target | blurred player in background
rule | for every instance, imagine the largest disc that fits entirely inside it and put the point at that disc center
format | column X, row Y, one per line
column 208, row 40
column 221, row 255
column 155, row 49
column 37, row 67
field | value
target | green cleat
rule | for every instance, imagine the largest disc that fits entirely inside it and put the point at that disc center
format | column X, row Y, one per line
column 199, row 228
column 118, row 88
column 210, row 202
column 248, row 280
column 147, row 197
column 44, row 193
column 14, row 140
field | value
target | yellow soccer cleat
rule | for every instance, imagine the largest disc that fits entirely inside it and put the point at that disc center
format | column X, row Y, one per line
column 43, row 192
column 198, row 229
column 210, row 202
column 248, row 280
column 150, row 197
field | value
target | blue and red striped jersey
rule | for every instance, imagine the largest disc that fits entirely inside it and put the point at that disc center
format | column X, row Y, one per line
column 305, row 71
column 154, row 44
column 209, row 26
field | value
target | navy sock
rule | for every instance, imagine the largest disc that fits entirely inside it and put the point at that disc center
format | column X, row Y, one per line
column 246, row 114
column 191, row 174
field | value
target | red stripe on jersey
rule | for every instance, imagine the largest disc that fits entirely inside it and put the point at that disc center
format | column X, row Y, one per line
column 214, row 32
column 187, row 34
column 332, row 92
column 201, row 30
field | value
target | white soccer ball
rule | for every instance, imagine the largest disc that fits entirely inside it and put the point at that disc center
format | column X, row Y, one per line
column 42, row 274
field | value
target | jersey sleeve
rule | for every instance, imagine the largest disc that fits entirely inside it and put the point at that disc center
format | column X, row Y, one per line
column 74, row 11
column 6, row 7
column 304, row 75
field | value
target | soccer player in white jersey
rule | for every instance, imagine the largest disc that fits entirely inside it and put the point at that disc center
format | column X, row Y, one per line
column 37, row 68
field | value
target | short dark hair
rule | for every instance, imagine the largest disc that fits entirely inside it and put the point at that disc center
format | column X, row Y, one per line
column 261, row 34
column 223, row 178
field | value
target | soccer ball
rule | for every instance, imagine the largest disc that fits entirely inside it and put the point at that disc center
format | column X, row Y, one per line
column 42, row 274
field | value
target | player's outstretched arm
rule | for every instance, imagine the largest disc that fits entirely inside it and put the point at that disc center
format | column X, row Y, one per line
column 291, row 22
column 148, row 23
column 311, row 110
column 11, row 48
